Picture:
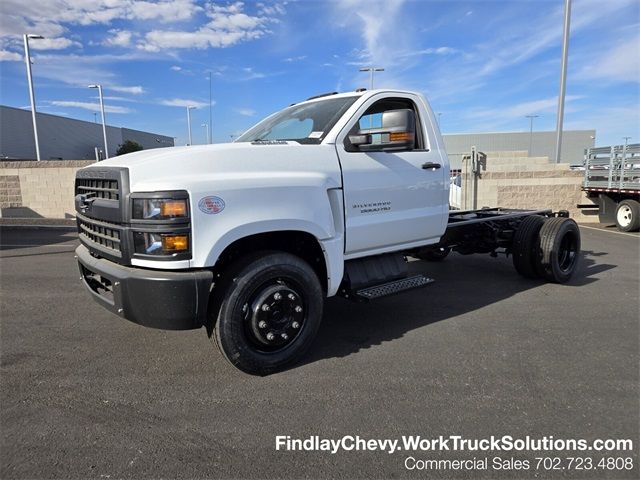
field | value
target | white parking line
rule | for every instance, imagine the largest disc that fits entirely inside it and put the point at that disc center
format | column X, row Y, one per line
column 611, row 231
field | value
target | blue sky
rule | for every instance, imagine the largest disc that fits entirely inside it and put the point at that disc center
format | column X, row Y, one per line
column 484, row 65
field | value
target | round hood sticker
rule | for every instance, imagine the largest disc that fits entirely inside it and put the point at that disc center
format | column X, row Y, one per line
column 211, row 205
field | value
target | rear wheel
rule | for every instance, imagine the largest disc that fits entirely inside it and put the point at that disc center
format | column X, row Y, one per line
column 559, row 249
column 525, row 246
column 628, row 216
column 267, row 312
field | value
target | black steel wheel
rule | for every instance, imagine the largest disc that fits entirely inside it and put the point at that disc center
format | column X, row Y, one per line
column 267, row 312
column 525, row 246
column 559, row 249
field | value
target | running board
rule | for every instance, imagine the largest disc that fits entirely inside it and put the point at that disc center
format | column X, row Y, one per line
column 393, row 287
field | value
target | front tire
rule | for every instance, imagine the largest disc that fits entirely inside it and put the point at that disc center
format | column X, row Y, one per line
column 267, row 312
column 628, row 216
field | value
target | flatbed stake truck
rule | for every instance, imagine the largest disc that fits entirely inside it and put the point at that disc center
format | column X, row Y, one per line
column 612, row 181
column 326, row 197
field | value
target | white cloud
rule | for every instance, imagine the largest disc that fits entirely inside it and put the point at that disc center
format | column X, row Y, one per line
column 94, row 107
column 6, row 56
column 227, row 26
column 118, row 38
column 295, row 59
column 379, row 26
column 182, row 102
column 431, row 51
column 176, row 68
column 621, row 62
column 235, row 7
column 136, row 90
column 247, row 112
column 59, row 43
column 272, row 9
column 519, row 110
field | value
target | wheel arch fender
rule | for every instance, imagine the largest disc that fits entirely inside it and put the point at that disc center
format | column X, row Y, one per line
column 286, row 235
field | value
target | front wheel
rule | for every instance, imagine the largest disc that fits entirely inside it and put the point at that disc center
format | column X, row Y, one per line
column 267, row 312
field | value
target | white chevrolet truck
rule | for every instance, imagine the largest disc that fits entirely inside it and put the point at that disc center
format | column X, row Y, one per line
column 326, row 197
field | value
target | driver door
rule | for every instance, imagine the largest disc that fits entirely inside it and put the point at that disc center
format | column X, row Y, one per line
column 392, row 198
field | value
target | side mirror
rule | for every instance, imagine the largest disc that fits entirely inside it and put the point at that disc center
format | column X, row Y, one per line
column 398, row 132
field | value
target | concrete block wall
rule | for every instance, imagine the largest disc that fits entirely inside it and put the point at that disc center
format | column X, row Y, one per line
column 42, row 189
column 514, row 180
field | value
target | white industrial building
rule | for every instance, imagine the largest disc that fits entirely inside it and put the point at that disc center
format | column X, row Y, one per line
column 538, row 144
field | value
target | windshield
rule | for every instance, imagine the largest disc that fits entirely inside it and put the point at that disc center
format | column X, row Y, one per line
column 306, row 123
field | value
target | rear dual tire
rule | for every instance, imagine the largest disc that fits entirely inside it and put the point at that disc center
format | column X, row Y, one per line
column 547, row 248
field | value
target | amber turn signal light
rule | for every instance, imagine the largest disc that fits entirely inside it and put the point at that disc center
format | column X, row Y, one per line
column 175, row 243
column 400, row 137
column 173, row 208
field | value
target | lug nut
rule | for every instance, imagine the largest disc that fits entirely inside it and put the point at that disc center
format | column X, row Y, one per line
column 277, row 296
column 284, row 336
column 295, row 325
column 262, row 324
column 265, row 308
column 291, row 296
column 270, row 336
column 298, row 309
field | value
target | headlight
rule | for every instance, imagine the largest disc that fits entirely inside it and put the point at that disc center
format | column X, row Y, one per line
column 159, row 208
column 160, row 243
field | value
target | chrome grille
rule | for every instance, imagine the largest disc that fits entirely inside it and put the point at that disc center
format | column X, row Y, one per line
column 98, row 188
column 106, row 236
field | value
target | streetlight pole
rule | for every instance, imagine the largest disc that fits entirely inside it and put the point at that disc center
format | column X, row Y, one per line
column 206, row 130
column 189, row 108
column 563, row 76
column 210, row 127
column 371, row 71
column 531, row 117
column 32, row 95
column 104, row 124
column 626, row 141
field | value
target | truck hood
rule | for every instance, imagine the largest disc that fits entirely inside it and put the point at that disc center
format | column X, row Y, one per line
column 176, row 168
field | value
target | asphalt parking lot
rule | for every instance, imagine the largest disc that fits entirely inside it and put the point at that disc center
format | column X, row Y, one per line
column 480, row 352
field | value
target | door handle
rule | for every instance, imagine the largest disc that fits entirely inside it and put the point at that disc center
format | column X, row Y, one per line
column 432, row 165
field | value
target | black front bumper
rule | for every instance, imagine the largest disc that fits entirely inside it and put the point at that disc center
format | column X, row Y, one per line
column 153, row 298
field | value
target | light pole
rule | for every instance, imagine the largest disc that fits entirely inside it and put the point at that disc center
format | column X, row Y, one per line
column 189, row 108
column 626, row 141
column 210, row 127
column 531, row 117
column 563, row 76
column 439, row 124
column 104, row 124
column 206, row 130
column 32, row 95
column 371, row 70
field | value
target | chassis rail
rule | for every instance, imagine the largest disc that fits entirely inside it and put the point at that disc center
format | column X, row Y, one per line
column 459, row 218
column 487, row 230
